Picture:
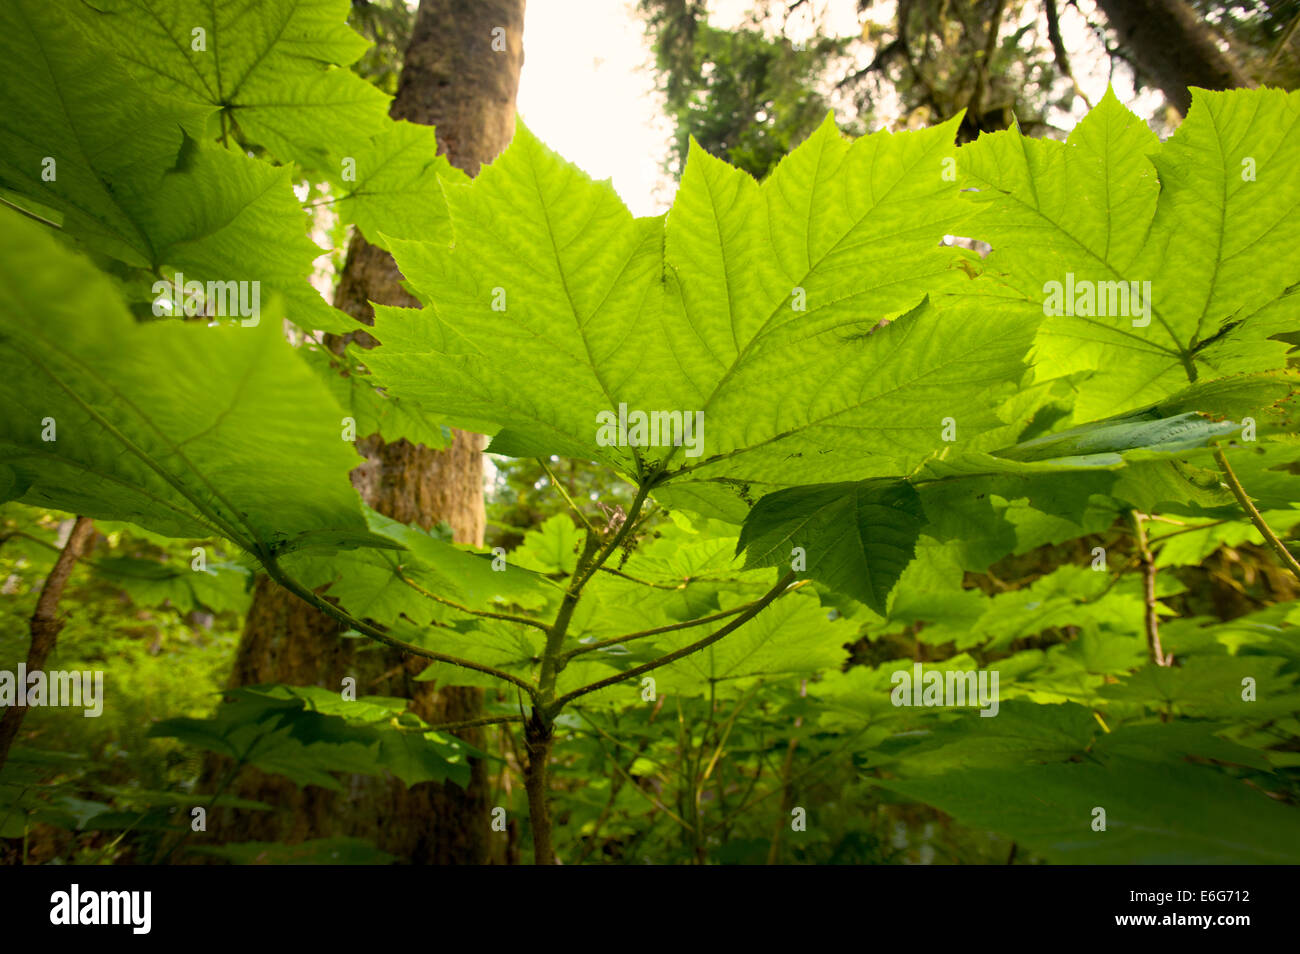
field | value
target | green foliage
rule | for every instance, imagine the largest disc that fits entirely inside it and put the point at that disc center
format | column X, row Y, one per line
column 396, row 190
column 275, row 80
column 863, row 535
column 881, row 425
column 305, row 733
column 127, row 173
column 167, row 425
column 1112, row 203
column 163, row 634
column 317, row 851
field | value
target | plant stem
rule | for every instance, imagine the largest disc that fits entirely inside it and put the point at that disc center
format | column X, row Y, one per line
column 754, row 609
column 616, row 640
column 486, row 614
column 633, row 579
column 555, row 482
column 1149, row 591
column 473, row 723
column 539, row 737
column 642, row 492
column 787, row 767
column 1230, row 478
column 274, row 571
column 553, row 659
column 31, row 215
column 726, row 730
column 538, row 740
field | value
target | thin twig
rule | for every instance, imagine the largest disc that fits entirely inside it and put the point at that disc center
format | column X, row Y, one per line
column 555, row 482
column 31, row 215
column 378, row 635
column 633, row 579
column 1282, row 44
column 486, row 614
column 472, row 723
column 1230, row 478
column 673, row 627
column 616, row 541
column 754, row 609
column 1058, row 50
column 1149, row 592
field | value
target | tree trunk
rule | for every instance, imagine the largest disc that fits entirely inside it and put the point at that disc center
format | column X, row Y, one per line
column 1173, row 47
column 452, row 78
column 45, row 624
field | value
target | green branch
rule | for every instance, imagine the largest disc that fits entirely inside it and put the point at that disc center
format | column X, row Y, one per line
column 274, row 571
column 555, row 482
column 640, row 582
column 1230, row 478
column 31, row 215
column 673, row 627
column 472, row 723
column 754, row 609
column 643, row 491
column 1150, row 617
column 486, row 614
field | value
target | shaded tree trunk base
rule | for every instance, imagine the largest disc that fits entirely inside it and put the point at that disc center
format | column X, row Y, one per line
column 428, row 823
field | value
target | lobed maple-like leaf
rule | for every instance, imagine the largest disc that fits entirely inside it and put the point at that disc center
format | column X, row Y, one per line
column 128, row 173
column 750, row 309
column 275, row 69
column 1207, row 218
column 393, row 186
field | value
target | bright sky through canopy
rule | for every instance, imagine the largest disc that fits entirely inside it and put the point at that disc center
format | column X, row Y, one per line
column 588, row 88
column 588, row 91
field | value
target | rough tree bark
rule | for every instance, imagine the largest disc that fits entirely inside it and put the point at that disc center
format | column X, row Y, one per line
column 452, row 78
column 1173, row 47
column 45, row 623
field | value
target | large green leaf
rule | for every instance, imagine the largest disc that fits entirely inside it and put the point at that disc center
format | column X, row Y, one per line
column 286, row 730
column 1207, row 218
column 371, row 409
column 219, row 588
column 130, row 178
column 395, row 186
column 1156, row 813
column 271, row 67
column 554, row 306
column 79, row 136
column 184, row 428
column 1022, row 733
column 856, row 538
column 372, row 583
column 795, row 636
